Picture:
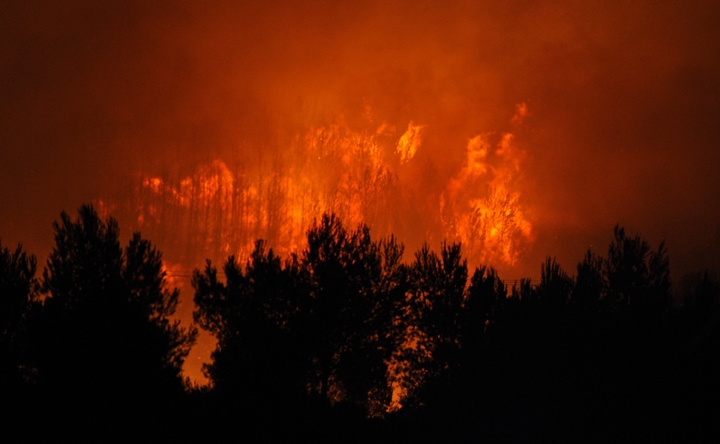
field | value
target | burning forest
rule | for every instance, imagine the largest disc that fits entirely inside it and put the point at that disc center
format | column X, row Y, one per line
column 364, row 177
column 347, row 203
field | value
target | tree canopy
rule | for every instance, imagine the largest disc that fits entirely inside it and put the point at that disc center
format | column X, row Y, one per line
column 106, row 333
column 18, row 300
column 345, row 336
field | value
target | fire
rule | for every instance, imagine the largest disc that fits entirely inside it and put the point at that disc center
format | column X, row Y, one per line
column 326, row 169
column 403, row 377
column 481, row 207
column 409, row 142
column 224, row 207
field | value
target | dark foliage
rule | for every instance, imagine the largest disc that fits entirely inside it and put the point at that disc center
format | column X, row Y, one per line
column 320, row 326
column 638, row 279
column 105, row 346
column 256, row 364
column 601, row 356
column 18, row 302
column 346, row 342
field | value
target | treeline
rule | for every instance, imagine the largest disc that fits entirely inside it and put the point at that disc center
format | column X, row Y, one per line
column 348, row 341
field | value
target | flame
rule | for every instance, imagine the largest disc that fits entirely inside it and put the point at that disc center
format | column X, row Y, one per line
column 409, row 142
column 223, row 208
column 403, row 376
column 480, row 207
column 327, row 169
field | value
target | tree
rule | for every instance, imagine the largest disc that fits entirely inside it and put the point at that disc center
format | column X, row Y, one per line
column 17, row 302
column 485, row 297
column 555, row 286
column 436, row 297
column 356, row 285
column 320, row 323
column 106, row 331
column 638, row 279
column 253, row 314
column 590, row 285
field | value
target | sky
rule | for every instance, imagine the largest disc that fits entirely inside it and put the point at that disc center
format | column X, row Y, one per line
column 622, row 97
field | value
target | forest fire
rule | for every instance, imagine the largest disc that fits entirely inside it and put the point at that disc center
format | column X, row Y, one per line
column 361, row 176
column 490, row 222
column 408, row 165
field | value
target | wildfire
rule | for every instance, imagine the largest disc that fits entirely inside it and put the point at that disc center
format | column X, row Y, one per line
column 223, row 208
column 363, row 176
column 480, row 206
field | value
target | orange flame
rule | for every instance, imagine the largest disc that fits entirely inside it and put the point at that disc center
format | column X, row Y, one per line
column 409, row 142
column 354, row 174
column 480, row 210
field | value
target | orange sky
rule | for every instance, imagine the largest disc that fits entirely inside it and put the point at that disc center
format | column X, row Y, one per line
column 623, row 100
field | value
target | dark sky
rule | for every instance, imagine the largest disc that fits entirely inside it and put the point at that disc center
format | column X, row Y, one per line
column 623, row 100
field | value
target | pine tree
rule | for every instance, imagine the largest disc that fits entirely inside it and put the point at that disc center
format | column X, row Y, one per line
column 106, row 333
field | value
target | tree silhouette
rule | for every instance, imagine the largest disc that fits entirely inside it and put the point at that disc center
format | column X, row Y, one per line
column 346, row 321
column 638, row 279
column 590, row 283
column 106, row 337
column 555, row 285
column 257, row 364
column 484, row 302
column 356, row 287
column 321, row 326
column 18, row 301
column 485, row 296
column 436, row 296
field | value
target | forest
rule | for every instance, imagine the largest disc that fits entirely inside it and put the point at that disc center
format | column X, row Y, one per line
column 350, row 340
